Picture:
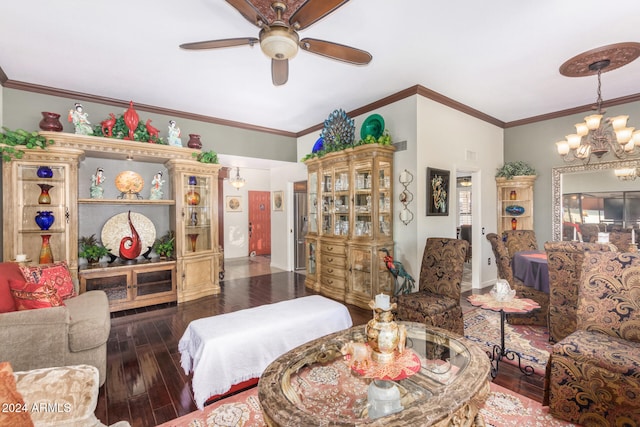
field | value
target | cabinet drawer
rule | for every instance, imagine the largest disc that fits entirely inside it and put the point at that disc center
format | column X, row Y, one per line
column 333, row 260
column 332, row 271
column 330, row 248
column 331, row 282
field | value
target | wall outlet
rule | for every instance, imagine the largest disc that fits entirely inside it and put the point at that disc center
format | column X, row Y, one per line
column 489, row 261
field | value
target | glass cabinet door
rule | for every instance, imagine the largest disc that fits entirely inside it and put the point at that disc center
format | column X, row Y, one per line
column 361, row 277
column 313, row 202
column 197, row 212
column 363, row 201
column 385, row 207
column 326, row 189
column 41, row 207
column 341, row 202
column 311, row 257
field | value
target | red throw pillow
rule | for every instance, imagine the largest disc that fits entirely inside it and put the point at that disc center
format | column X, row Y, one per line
column 56, row 275
column 28, row 296
column 14, row 411
column 8, row 270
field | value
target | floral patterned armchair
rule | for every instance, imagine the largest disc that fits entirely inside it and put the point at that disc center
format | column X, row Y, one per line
column 565, row 267
column 503, row 262
column 520, row 240
column 621, row 239
column 593, row 375
column 437, row 302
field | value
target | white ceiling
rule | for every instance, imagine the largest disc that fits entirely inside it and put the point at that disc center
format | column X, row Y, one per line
column 500, row 57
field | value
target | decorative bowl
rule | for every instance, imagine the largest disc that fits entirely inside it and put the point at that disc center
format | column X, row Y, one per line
column 514, row 210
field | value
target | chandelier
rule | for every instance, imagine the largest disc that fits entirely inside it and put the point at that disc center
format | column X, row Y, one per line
column 237, row 181
column 598, row 135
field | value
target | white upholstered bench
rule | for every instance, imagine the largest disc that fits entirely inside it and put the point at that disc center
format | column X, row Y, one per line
column 234, row 347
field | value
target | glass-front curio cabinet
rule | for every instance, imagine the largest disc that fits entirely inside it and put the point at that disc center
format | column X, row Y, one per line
column 350, row 223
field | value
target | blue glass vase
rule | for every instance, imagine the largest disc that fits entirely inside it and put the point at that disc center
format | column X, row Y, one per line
column 193, row 180
column 45, row 219
column 44, row 172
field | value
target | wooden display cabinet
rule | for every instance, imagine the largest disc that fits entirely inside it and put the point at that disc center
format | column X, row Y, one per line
column 517, row 191
column 195, row 270
column 350, row 220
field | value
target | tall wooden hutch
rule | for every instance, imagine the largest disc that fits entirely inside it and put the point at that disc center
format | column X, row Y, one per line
column 195, row 268
column 350, row 223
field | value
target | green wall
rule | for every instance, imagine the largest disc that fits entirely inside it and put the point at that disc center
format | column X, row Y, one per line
column 535, row 143
column 21, row 109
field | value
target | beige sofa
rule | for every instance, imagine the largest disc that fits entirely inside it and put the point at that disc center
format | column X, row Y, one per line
column 61, row 397
column 73, row 334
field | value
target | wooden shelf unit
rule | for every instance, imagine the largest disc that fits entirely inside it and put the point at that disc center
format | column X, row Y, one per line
column 522, row 189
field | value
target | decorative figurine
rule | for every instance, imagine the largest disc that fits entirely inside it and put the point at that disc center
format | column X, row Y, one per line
column 154, row 134
column 174, row 134
column 107, row 125
column 156, row 187
column 80, row 120
column 131, row 119
column 97, row 179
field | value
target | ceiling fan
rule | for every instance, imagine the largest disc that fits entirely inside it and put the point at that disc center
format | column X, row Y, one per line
column 279, row 39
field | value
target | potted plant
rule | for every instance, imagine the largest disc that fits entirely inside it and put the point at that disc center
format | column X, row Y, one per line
column 206, row 157
column 91, row 249
column 12, row 140
column 511, row 169
column 165, row 245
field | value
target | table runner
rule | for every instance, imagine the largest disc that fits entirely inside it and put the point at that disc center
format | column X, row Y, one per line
column 226, row 349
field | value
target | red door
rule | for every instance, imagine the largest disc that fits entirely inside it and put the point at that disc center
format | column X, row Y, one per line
column 260, row 222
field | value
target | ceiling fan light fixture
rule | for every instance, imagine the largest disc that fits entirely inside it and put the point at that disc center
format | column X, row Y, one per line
column 279, row 42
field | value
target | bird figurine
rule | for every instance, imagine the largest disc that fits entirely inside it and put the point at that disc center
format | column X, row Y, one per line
column 397, row 270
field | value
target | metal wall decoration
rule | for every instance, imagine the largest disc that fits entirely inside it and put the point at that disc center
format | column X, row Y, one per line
column 437, row 192
column 406, row 197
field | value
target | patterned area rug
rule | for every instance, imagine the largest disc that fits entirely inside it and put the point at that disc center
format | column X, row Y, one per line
column 502, row 408
column 532, row 342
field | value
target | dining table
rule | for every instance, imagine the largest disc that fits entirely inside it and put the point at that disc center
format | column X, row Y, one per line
column 532, row 269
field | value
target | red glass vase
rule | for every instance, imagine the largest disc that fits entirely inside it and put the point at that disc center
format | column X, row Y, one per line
column 194, row 141
column 193, row 238
column 50, row 122
column 514, row 223
column 44, row 198
column 46, row 255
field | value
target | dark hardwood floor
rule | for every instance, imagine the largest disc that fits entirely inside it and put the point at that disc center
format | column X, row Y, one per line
column 146, row 384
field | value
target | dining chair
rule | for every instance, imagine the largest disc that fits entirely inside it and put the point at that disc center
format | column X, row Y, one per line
column 564, row 260
column 503, row 263
column 520, row 240
column 437, row 302
column 589, row 232
column 621, row 239
column 465, row 234
column 593, row 374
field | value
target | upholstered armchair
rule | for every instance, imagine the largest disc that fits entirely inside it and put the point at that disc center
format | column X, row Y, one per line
column 503, row 262
column 564, row 260
column 520, row 240
column 593, row 374
column 437, row 302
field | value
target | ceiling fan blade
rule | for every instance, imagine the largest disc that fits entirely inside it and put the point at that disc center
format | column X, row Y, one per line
column 312, row 11
column 247, row 10
column 214, row 44
column 336, row 51
column 279, row 71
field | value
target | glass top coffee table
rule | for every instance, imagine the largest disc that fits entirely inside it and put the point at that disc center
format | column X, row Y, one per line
column 313, row 384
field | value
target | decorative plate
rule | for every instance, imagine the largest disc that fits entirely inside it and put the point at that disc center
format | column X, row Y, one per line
column 339, row 129
column 373, row 125
column 514, row 210
column 117, row 227
column 129, row 182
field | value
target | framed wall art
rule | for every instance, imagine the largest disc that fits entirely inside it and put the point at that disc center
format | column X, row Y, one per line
column 278, row 200
column 437, row 192
column 233, row 204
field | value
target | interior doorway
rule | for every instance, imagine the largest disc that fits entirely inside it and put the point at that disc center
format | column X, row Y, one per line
column 464, row 223
column 300, row 224
column 259, row 223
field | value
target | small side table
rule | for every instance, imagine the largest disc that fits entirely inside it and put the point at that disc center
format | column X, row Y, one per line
column 516, row 305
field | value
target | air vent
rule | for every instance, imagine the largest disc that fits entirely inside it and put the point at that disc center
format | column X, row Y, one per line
column 400, row 146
